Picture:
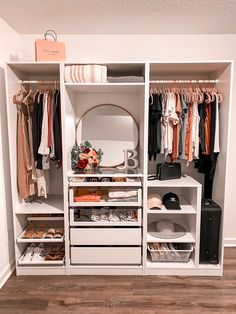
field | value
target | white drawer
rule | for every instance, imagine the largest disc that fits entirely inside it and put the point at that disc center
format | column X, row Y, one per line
column 105, row 236
column 104, row 201
column 83, row 221
column 106, row 255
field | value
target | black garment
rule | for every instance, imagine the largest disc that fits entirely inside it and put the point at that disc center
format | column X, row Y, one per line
column 207, row 163
column 57, row 126
column 37, row 119
column 154, row 131
column 213, row 125
column 182, row 120
column 202, row 115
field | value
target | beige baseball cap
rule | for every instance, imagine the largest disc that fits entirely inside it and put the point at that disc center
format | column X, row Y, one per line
column 154, row 201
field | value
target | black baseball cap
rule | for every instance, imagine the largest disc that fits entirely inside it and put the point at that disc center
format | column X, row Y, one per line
column 171, row 201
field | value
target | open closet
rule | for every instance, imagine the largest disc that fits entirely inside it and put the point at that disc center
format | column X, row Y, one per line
column 112, row 235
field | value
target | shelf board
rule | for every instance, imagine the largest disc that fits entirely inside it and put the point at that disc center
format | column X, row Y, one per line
column 209, row 266
column 51, row 205
column 106, row 87
column 185, row 209
column 41, row 270
column 21, row 262
column 36, row 68
column 173, row 265
column 185, row 181
column 20, row 239
column 109, row 184
column 105, row 204
column 72, row 175
column 49, row 218
column 187, row 238
column 105, row 224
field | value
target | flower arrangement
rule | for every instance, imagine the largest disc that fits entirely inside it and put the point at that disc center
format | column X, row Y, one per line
column 84, row 157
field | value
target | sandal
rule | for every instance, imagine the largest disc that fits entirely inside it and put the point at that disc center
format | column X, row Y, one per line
column 39, row 232
column 50, row 234
column 50, row 255
column 59, row 255
column 29, row 232
column 59, row 234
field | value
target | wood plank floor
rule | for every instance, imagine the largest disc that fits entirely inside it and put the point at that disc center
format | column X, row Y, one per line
column 122, row 294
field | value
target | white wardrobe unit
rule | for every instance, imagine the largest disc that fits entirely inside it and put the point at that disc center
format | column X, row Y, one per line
column 117, row 248
column 113, row 247
column 54, row 205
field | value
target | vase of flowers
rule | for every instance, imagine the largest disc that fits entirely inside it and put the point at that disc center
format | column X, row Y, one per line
column 85, row 158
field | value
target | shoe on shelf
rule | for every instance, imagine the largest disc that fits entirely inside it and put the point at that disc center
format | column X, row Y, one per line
column 28, row 254
column 38, row 255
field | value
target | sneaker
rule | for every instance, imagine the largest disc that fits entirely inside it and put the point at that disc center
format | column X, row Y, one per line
column 38, row 255
column 29, row 252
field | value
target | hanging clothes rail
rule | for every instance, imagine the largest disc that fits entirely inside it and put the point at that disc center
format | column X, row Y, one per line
column 182, row 81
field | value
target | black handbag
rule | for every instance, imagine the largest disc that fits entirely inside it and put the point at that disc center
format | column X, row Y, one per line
column 168, row 171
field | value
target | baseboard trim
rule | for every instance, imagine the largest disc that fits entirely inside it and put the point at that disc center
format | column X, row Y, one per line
column 230, row 242
column 6, row 273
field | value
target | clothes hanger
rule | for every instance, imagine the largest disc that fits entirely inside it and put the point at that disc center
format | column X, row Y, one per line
column 151, row 95
column 25, row 100
column 17, row 99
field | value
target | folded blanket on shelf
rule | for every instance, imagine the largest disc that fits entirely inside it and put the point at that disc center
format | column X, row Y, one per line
column 125, row 79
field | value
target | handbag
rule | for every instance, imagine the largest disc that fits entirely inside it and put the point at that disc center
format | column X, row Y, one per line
column 168, row 171
column 49, row 50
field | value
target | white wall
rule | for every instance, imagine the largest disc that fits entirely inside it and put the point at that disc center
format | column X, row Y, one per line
column 8, row 47
column 87, row 48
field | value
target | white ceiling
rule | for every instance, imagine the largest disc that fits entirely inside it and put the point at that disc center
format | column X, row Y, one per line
column 121, row 16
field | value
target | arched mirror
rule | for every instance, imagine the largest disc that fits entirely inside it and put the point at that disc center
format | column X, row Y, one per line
column 110, row 128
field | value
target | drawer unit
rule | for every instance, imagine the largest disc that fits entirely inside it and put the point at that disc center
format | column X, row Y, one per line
column 99, row 197
column 85, row 221
column 106, row 255
column 105, row 236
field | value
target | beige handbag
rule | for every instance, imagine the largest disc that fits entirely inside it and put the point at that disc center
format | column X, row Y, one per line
column 49, row 50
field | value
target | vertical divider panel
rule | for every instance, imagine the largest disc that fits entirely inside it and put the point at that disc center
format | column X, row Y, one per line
column 198, row 224
column 12, row 83
column 65, row 162
column 221, row 182
column 145, row 166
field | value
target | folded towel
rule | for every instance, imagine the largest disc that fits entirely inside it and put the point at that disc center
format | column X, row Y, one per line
column 87, row 73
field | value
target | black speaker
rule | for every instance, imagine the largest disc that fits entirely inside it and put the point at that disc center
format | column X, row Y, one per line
column 210, row 232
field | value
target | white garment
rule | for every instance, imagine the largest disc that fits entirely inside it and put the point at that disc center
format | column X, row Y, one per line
column 164, row 123
column 122, row 194
column 195, row 131
column 172, row 120
column 42, row 180
column 167, row 127
column 43, row 148
column 217, row 128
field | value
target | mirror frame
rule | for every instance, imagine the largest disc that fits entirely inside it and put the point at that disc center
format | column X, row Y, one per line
column 100, row 105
